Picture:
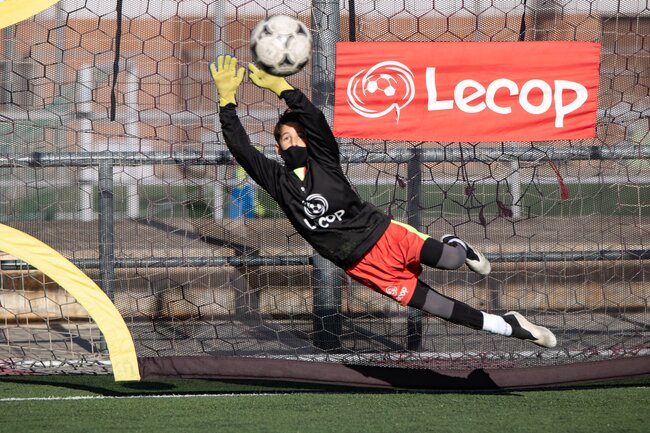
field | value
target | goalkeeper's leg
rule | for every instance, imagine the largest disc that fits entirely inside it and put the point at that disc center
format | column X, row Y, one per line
column 511, row 324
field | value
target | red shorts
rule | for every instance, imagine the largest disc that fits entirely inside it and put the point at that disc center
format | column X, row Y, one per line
column 392, row 265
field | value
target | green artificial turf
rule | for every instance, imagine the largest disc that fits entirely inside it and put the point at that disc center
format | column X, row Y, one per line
column 238, row 406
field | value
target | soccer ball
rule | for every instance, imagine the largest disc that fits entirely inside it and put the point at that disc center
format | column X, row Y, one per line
column 281, row 45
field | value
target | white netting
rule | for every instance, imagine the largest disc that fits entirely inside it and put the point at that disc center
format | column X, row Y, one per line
column 205, row 264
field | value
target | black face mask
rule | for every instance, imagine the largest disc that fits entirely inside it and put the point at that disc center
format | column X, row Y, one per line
column 294, row 157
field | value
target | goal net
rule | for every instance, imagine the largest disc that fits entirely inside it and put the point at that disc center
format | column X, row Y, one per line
column 111, row 153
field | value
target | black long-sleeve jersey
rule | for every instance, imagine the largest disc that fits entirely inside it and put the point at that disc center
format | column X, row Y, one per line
column 322, row 207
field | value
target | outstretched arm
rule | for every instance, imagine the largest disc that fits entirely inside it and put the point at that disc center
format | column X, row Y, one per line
column 322, row 144
column 227, row 78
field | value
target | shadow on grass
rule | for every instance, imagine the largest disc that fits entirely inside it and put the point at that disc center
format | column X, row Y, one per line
column 104, row 385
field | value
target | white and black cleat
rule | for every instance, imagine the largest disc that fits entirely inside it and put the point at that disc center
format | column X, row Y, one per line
column 474, row 260
column 525, row 330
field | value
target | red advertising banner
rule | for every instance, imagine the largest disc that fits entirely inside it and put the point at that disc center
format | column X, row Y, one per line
column 466, row 91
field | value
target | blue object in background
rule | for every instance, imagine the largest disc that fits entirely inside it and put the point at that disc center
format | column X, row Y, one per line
column 242, row 202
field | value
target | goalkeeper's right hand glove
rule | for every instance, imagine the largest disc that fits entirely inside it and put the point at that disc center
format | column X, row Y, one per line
column 227, row 79
column 265, row 80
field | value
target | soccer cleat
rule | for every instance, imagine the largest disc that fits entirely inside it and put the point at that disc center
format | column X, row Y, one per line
column 523, row 329
column 474, row 260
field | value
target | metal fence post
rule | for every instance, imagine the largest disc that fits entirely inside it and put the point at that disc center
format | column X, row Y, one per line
column 106, row 235
column 327, row 283
column 326, row 27
column 327, row 278
column 106, row 229
column 414, row 211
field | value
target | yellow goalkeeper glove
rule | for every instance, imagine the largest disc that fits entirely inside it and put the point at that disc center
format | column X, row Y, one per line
column 265, row 80
column 227, row 79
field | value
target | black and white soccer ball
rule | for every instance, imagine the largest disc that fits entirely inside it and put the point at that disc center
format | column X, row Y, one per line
column 281, row 45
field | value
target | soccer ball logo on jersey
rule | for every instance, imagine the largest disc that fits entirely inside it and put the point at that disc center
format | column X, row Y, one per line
column 385, row 87
column 315, row 207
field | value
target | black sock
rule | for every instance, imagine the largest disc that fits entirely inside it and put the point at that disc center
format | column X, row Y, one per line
column 427, row 299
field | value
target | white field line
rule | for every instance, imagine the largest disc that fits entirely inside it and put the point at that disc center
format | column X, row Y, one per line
column 131, row 397
column 141, row 396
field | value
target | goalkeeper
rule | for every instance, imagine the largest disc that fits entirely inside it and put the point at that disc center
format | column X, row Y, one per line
column 317, row 198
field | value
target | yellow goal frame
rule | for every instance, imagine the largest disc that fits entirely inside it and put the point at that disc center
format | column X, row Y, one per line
column 14, row 11
column 119, row 341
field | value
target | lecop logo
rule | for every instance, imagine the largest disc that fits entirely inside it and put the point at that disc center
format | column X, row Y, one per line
column 315, row 207
column 385, row 87
column 466, row 91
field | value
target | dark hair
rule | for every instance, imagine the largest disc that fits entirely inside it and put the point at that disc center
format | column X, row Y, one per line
column 287, row 118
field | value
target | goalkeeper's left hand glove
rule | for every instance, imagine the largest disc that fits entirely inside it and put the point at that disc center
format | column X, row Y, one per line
column 265, row 80
column 227, row 79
